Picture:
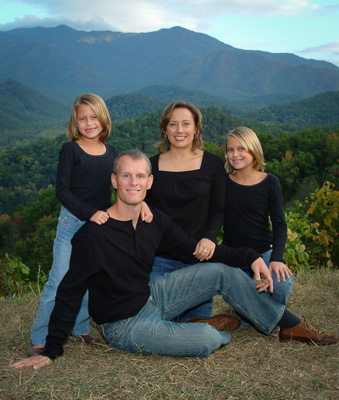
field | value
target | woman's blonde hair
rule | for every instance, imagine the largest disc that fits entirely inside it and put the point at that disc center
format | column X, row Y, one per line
column 100, row 109
column 164, row 144
column 251, row 143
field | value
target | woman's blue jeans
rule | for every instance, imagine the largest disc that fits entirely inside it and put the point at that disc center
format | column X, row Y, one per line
column 151, row 331
column 67, row 226
column 161, row 266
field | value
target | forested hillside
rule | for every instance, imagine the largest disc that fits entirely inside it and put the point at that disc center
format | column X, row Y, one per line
column 321, row 109
column 27, row 169
column 132, row 105
column 26, row 115
column 169, row 93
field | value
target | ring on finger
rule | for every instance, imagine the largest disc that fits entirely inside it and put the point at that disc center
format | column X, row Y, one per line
column 205, row 251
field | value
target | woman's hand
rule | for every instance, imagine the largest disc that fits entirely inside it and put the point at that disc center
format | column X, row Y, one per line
column 280, row 268
column 100, row 217
column 204, row 249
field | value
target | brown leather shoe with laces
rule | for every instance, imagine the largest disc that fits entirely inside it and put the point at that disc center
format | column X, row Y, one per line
column 306, row 333
column 221, row 322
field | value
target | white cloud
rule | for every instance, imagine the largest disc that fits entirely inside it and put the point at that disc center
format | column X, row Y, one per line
column 150, row 15
column 126, row 16
column 32, row 21
column 328, row 52
column 328, row 48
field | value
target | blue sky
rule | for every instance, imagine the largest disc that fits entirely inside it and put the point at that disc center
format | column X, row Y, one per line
column 309, row 29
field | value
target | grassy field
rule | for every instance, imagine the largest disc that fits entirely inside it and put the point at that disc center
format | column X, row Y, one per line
column 251, row 366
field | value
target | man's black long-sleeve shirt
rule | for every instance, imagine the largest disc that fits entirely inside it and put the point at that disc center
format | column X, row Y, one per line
column 113, row 261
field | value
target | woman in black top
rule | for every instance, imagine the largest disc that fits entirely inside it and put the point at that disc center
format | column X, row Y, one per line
column 189, row 186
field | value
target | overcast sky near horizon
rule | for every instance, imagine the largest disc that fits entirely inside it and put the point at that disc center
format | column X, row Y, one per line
column 306, row 28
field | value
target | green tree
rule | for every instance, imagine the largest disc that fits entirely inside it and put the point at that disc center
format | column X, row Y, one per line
column 288, row 172
column 37, row 248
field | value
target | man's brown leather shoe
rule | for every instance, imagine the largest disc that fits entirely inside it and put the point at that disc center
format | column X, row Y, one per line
column 306, row 333
column 221, row 322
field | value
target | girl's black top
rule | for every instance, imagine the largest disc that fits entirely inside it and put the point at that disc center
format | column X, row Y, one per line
column 247, row 212
column 83, row 183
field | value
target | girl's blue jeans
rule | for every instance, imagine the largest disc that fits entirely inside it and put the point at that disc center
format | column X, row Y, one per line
column 282, row 289
column 67, row 226
column 151, row 331
column 161, row 266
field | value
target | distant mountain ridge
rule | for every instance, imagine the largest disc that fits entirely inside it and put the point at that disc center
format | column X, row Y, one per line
column 27, row 104
column 319, row 110
column 27, row 115
column 62, row 62
column 132, row 105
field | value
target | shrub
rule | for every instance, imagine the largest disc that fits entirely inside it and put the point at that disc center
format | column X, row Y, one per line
column 13, row 275
column 313, row 229
column 14, row 280
column 295, row 252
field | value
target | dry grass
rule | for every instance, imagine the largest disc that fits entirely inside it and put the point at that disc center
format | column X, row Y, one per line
column 250, row 367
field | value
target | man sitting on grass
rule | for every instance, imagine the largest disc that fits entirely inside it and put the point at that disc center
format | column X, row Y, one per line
column 113, row 261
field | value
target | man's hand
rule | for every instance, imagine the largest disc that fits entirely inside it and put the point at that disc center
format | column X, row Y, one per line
column 204, row 249
column 100, row 217
column 280, row 269
column 262, row 273
column 36, row 362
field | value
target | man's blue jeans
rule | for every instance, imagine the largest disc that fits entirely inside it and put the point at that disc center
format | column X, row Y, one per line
column 161, row 266
column 151, row 331
column 67, row 226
